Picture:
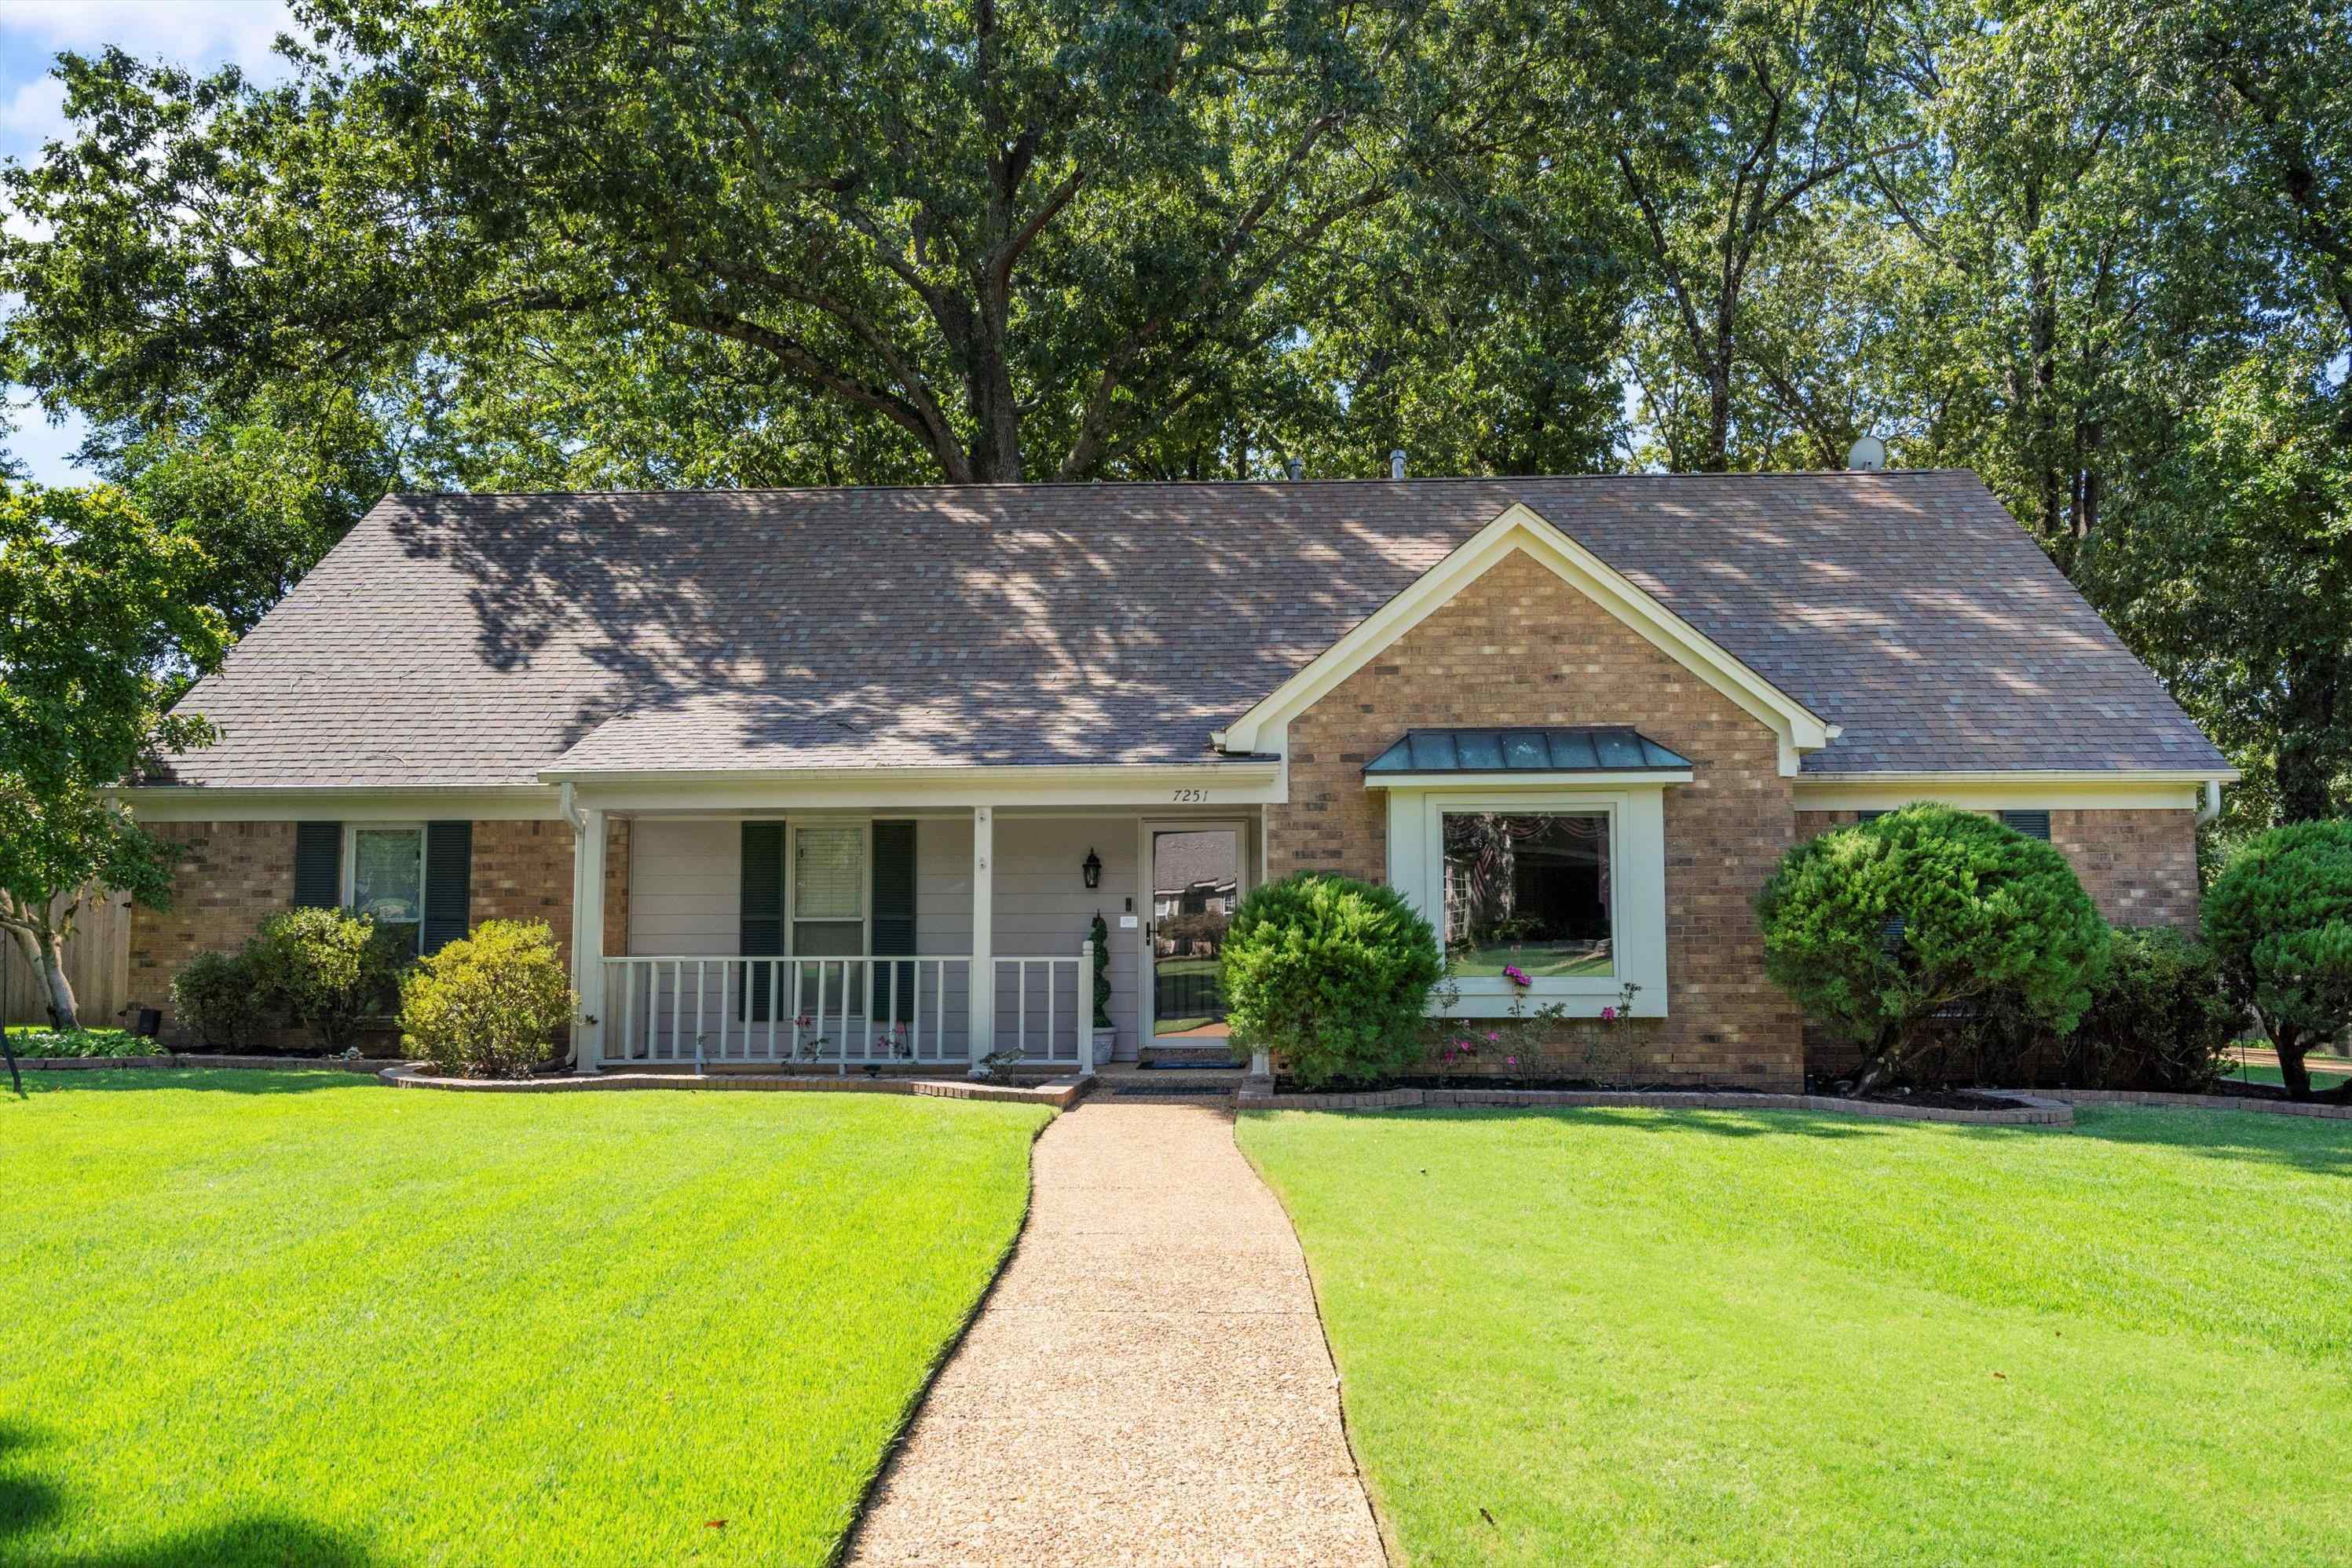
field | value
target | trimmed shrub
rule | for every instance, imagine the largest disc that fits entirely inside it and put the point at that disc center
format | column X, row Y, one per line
column 219, row 998
column 1331, row 975
column 1876, row 928
column 327, row 969
column 2161, row 1020
column 488, row 1006
column 2280, row 915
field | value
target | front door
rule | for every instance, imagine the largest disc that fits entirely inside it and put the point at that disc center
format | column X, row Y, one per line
column 1196, row 881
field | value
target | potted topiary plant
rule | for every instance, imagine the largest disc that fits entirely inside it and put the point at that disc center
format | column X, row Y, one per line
column 1105, row 1033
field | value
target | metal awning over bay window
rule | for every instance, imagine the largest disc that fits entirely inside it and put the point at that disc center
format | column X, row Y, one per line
column 1428, row 754
column 1538, row 855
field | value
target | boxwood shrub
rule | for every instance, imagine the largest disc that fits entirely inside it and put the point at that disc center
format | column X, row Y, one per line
column 488, row 1006
column 1330, row 975
column 327, row 969
column 1879, row 927
column 219, row 998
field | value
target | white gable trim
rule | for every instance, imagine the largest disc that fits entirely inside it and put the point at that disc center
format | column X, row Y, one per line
column 1519, row 528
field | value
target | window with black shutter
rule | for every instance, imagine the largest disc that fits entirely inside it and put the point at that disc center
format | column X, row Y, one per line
column 448, row 883
column 1862, row 817
column 894, row 918
column 318, row 865
column 761, row 931
column 2033, row 824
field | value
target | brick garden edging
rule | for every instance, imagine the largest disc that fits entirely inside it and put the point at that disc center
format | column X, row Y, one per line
column 2041, row 1111
column 2192, row 1101
column 186, row 1059
column 1060, row 1093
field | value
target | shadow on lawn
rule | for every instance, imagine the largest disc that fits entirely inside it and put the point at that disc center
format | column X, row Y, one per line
column 2321, row 1146
column 29, row 1503
column 1644, row 1118
column 214, row 1079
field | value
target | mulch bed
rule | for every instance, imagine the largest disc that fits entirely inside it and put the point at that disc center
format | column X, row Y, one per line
column 1949, row 1100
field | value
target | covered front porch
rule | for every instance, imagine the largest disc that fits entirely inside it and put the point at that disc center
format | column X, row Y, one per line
column 904, row 938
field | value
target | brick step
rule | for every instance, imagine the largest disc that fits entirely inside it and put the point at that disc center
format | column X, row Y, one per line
column 1219, row 1054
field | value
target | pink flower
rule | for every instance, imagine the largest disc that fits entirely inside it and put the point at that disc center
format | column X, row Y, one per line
column 1515, row 975
column 1608, row 1015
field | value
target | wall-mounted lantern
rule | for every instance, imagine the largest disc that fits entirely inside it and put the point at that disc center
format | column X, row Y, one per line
column 1093, row 868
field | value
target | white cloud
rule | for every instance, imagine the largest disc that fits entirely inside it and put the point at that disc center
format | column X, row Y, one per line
column 186, row 32
column 36, row 112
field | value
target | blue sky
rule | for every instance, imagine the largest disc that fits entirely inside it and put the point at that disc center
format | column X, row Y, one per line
column 190, row 32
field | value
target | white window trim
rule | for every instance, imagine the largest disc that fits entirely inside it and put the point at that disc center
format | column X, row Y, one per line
column 793, row 917
column 1637, row 878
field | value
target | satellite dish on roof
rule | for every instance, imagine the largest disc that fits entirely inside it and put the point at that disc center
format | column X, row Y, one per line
column 1868, row 455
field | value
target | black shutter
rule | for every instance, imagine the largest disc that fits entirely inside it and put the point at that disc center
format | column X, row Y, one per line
column 761, row 933
column 318, row 865
column 1862, row 817
column 894, row 918
column 448, row 883
column 2033, row 824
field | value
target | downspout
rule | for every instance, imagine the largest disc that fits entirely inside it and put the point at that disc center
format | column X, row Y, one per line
column 2212, row 806
column 577, row 820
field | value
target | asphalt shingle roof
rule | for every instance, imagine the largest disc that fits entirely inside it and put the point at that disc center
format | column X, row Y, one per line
column 476, row 640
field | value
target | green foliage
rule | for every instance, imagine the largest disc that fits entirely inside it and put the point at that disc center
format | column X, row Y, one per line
column 98, row 630
column 81, row 1042
column 488, row 1006
column 1331, row 975
column 218, row 997
column 1001, row 242
column 2160, row 1019
column 1100, row 935
column 2279, row 916
column 1983, row 909
column 327, row 969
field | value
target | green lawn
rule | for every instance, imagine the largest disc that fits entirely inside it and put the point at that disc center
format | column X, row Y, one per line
column 296, row 1318
column 1629, row 1336
column 2263, row 1072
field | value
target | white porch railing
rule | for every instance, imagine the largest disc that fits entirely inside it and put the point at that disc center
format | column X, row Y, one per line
column 867, row 1010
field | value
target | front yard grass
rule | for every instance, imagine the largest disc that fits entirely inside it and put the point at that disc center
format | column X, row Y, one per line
column 285, row 1317
column 1637, row 1337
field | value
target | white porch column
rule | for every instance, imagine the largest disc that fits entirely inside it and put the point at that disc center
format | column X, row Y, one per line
column 982, row 1028
column 588, row 937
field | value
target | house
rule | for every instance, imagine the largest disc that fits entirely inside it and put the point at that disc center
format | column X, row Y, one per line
column 814, row 775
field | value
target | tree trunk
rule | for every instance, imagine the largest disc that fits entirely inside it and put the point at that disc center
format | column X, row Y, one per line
column 2292, row 1071
column 45, row 953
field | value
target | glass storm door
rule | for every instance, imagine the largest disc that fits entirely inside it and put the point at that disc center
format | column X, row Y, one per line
column 1196, row 881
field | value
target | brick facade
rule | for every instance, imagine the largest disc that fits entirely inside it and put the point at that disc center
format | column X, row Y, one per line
column 234, row 876
column 237, row 874
column 1520, row 646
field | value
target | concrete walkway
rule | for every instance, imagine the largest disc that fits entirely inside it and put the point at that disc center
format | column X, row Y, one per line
column 1147, row 1384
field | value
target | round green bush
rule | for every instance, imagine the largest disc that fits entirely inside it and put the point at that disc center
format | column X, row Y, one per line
column 488, row 1006
column 218, row 1001
column 2280, row 915
column 1330, row 975
column 1876, row 928
column 329, row 969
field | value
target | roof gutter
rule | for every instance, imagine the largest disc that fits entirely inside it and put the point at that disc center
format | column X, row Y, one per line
column 1078, row 772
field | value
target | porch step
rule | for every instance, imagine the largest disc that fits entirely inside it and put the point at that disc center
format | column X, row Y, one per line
column 1217, row 1055
column 1128, row 1079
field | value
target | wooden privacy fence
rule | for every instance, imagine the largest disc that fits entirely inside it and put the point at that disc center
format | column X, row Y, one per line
column 97, row 964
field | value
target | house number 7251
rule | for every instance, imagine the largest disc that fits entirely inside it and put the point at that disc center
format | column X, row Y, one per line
column 1191, row 796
